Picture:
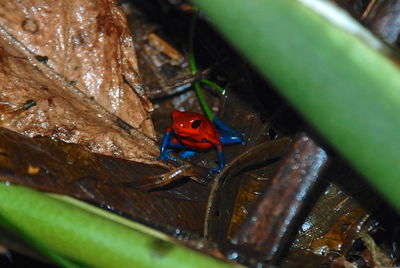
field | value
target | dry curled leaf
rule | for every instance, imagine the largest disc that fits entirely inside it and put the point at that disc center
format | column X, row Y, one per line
column 68, row 70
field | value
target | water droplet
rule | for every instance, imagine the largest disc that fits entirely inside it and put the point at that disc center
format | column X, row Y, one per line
column 233, row 255
column 199, row 245
column 254, row 219
column 177, row 231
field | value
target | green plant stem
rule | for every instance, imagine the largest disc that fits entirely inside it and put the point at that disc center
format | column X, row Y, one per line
column 88, row 238
column 203, row 101
column 344, row 86
column 213, row 85
column 193, row 71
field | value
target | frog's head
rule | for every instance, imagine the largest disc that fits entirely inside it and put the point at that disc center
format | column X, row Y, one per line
column 187, row 124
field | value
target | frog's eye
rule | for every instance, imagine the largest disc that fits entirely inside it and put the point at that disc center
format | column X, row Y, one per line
column 196, row 124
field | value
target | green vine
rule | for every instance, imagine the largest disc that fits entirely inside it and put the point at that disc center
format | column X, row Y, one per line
column 193, row 71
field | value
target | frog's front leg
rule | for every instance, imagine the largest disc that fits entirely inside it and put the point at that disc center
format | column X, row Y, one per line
column 168, row 142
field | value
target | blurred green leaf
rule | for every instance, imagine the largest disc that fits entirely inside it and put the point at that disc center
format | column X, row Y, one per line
column 344, row 86
column 86, row 237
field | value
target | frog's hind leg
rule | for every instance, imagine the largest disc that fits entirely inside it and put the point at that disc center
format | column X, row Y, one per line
column 187, row 154
column 221, row 126
column 227, row 134
column 229, row 138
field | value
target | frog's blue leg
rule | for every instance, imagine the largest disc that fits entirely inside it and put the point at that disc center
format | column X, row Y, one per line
column 220, row 154
column 187, row 154
column 221, row 125
column 227, row 134
column 230, row 138
column 167, row 142
column 221, row 162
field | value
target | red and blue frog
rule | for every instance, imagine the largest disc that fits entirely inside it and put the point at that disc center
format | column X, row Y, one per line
column 194, row 132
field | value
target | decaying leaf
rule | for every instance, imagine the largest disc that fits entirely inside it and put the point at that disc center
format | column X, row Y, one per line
column 162, row 66
column 118, row 184
column 68, row 73
column 237, row 187
column 330, row 229
column 379, row 257
column 75, row 63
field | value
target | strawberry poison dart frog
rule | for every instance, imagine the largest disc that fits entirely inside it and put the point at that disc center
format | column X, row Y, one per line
column 194, row 132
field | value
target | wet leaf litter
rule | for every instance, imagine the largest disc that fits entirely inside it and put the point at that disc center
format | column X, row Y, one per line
column 78, row 104
column 78, row 83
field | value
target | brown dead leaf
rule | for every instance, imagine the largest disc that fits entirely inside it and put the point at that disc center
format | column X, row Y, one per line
column 379, row 257
column 117, row 184
column 74, row 62
column 333, row 224
column 163, row 67
column 68, row 71
column 238, row 186
column 341, row 262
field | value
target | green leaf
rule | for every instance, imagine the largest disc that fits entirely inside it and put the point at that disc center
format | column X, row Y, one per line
column 89, row 238
column 343, row 85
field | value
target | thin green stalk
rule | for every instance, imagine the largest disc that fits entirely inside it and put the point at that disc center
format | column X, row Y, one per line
column 193, row 70
column 88, row 238
column 203, row 101
column 342, row 84
column 213, row 85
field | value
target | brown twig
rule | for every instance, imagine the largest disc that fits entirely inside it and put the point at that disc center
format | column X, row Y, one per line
column 268, row 227
column 178, row 86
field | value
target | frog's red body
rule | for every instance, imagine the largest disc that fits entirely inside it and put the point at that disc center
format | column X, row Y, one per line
column 193, row 131
column 202, row 137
